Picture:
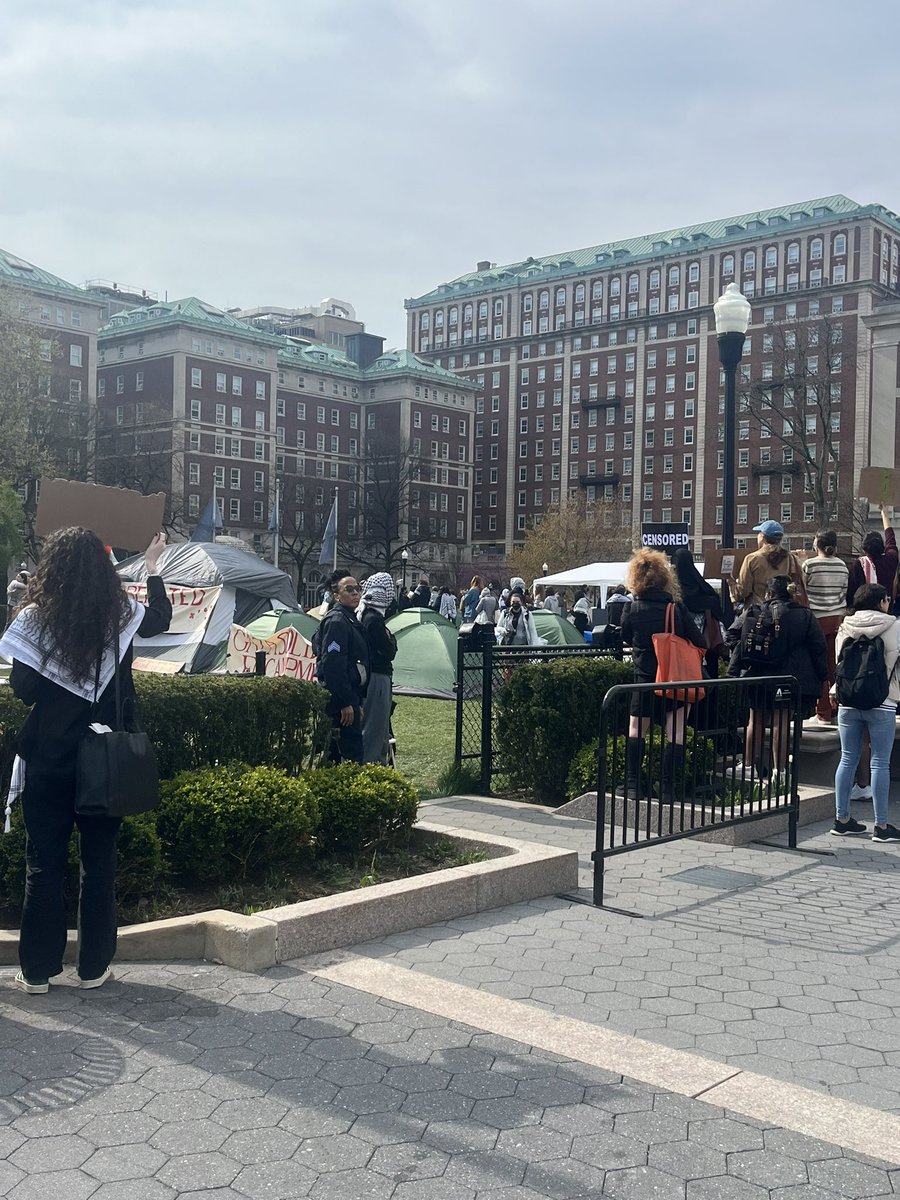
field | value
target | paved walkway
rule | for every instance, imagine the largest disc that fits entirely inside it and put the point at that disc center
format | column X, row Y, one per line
column 488, row 1058
column 200, row 1081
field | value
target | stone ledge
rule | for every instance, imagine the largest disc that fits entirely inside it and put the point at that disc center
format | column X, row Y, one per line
column 513, row 872
column 816, row 804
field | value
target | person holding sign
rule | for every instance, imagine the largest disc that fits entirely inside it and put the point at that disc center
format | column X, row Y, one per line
column 62, row 645
column 770, row 559
column 878, row 561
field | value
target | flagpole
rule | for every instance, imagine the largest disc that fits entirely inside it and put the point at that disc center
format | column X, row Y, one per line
column 215, row 509
column 334, row 566
column 276, row 539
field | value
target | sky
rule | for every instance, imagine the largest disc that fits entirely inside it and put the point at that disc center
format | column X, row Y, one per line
column 282, row 151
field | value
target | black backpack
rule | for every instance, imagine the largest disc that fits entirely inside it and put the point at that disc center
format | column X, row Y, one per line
column 763, row 641
column 861, row 677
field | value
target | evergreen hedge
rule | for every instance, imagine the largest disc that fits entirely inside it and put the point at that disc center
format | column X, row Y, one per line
column 546, row 712
column 197, row 721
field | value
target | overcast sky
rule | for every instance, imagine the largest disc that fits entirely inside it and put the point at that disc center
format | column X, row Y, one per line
column 281, row 151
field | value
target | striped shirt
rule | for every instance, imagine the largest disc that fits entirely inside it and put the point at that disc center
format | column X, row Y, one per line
column 826, row 585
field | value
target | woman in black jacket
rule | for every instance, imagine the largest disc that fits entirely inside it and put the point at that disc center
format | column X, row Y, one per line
column 62, row 646
column 702, row 601
column 799, row 650
column 654, row 586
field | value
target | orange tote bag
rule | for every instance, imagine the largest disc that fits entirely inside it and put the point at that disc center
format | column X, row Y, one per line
column 676, row 660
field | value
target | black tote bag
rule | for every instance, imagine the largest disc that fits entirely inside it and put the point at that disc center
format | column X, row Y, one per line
column 116, row 773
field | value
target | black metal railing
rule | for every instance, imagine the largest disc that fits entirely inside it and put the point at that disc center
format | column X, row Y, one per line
column 483, row 668
column 672, row 763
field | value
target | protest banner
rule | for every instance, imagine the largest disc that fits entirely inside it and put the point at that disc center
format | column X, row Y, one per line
column 288, row 653
column 880, row 485
column 191, row 607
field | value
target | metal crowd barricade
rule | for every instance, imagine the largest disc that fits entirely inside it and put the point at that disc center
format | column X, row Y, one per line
column 739, row 763
column 482, row 669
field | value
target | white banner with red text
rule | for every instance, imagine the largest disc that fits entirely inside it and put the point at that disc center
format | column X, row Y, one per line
column 287, row 653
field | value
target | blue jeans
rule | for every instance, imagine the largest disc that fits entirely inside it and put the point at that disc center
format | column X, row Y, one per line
column 852, row 722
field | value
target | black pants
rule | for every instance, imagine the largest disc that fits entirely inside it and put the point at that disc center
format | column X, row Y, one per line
column 347, row 740
column 48, row 807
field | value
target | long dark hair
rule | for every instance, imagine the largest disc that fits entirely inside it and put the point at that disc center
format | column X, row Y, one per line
column 692, row 582
column 78, row 599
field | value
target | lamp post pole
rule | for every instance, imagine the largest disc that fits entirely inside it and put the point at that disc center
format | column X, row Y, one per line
column 404, row 558
column 545, row 568
column 732, row 312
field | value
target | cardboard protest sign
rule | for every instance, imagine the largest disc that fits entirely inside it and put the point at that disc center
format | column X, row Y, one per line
column 880, row 485
column 287, row 653
column 119, row 516
column 721, row 562
column 191, row 607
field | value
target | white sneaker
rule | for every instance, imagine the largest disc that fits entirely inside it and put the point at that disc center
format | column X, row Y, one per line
column 94, row 983
column 816, row 722
column 861, row 793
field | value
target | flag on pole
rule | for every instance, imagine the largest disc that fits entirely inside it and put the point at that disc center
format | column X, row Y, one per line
column 210, row 521
column 274, row 521
column 329, row 537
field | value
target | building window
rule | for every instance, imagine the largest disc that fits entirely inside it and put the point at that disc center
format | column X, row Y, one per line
column 236, row 385
column 196, row 377
column 234, row 509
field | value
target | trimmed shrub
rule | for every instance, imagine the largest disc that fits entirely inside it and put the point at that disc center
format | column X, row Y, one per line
column 205, row 720
column 362, row 808
column 699, row 757
column 545, row 713
column 238, row 820
column 199, row 721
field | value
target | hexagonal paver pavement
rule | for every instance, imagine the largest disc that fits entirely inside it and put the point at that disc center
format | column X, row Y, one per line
column 401, row 1105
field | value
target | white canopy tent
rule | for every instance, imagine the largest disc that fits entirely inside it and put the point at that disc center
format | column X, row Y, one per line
column 595, row 575
column 602, row 575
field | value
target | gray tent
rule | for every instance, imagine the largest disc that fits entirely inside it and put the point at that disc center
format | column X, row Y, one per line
column 249, row 587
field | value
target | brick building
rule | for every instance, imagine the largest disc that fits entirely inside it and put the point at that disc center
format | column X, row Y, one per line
column 194, row 402
column 68, row 320
column 598, row 368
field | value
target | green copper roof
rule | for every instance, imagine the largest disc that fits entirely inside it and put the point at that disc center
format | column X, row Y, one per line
column 189, row 311
column 404, row 362
column 14, row 270
column 655, row 245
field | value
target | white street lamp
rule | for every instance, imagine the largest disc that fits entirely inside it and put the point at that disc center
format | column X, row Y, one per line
column 732, row 311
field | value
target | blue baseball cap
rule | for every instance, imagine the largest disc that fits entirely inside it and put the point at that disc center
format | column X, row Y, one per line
column 769, row 529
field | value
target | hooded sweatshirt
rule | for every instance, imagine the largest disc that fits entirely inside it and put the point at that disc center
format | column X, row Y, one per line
column 870, row 622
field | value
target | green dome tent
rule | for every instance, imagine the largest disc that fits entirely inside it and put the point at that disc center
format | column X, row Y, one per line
column 557, row 631
column 269, row 623
column 426, row 653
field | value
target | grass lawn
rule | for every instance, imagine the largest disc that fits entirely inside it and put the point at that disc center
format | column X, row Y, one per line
column 425, row 730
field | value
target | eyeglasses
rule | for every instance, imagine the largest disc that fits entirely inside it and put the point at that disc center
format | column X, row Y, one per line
column 351, row 588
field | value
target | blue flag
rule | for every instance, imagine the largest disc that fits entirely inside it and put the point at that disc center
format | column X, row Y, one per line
column 273, row 520
column 329, row 537
column 209, row 522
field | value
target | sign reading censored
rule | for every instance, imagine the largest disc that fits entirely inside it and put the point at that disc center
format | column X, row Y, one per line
column 666, row 536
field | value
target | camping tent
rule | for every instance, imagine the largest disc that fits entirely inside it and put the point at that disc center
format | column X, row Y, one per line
column 270, row 623
column 556, row 631
column 426, row 653
column 212, row 586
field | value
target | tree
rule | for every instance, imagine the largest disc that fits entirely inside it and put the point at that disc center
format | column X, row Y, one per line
column 574, row 532
column 298, row 545
column 142, row 458
column 388, row 469
column 29, row 426
column 796, row 400
column 12, row 526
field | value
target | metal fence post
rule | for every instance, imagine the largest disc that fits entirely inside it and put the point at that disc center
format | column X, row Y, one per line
column 461, row 644
column 487, row 716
